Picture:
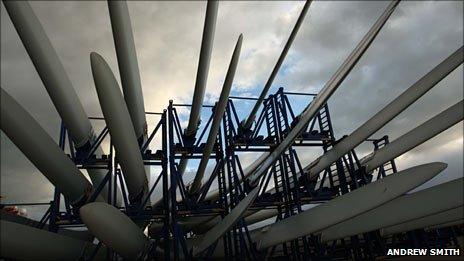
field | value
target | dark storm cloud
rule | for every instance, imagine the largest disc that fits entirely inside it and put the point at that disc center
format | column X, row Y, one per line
column 168, row 34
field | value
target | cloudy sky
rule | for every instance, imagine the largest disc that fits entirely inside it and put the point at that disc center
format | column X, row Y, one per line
column 416, row 38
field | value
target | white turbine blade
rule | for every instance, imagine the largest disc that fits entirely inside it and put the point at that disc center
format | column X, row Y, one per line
column 42, row 150
column 305, row 117
column 405, row 208
column 55, row 80
column 203, row 66
column 261, row 215
column 387, row 113
column 214, row 195
column 447, row 224
column 249, row 120
column 418, row 135
column 202, row 74
column 217, row 117
column 76, row 234
column 413, row 138
column 202, row 224
column 348, row 205
column 50, row 70
column 222, row 227
column 260, row 233
column 128, row 65
column 114, row 229
column 21, row 242
column 201, row 227
column 429, row 129
column 129, row 69
column 326, row 92
column 455, row 216
column 117, row 119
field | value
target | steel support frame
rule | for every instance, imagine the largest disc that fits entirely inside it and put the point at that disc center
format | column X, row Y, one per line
column 276, row 119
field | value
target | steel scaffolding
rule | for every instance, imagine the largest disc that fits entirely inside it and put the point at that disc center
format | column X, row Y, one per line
column 285, row 189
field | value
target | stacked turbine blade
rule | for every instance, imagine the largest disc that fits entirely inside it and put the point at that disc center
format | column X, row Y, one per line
column 55, row 80
column 42, row 151
column 406, row 142
column 129, row 70
column 347, row 205
column 413, row 138
column 327, row 91
column 202, row 75
column 128, row 65
column 450, row 217
column 117, row 119
column 21, row 242
column 115, row 229
column 217, row 117
column 76, row 234
column 394, row 108
column 217, row 231
column 249, row 120
column 50, row 70
column 405, row 208
column 214, row 195
column 305, row 117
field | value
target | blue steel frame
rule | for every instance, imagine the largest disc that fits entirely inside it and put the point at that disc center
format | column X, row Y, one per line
column 291, row 192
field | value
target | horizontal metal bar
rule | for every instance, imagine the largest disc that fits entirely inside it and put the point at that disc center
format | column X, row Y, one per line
column 243, row 98
column 96, row 118
column 300, row 93
column 153, row 113
column 190, row 105
column 25, row 204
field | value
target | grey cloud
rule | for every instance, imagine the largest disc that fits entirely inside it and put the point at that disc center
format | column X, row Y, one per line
column 168, row 34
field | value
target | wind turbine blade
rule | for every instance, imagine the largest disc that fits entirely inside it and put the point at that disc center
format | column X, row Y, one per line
column 421, row 133
column 128, row 65
column 42, row 151
column 387, row 113
column 443, row 219
column 326, row 92
column 413, row 138
column 21, row 242
column 249, row 120
column 114, row 229
column 222, row 227
column 117, row 119
column 129, row 69
column 454, row 216
column 202, row 74
column 348, row 205
column 55, row 80
column 214, row 195
column 80, row 235
column 203, row 66
column 217, row 117
column 305, row 117
column 447, row 224
column 201, row 224
column 50, row 70
column 405, row 208
column 261, row 215
column 418, row 135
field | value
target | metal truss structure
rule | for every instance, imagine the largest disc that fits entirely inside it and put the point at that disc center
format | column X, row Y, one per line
column 283, row 192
